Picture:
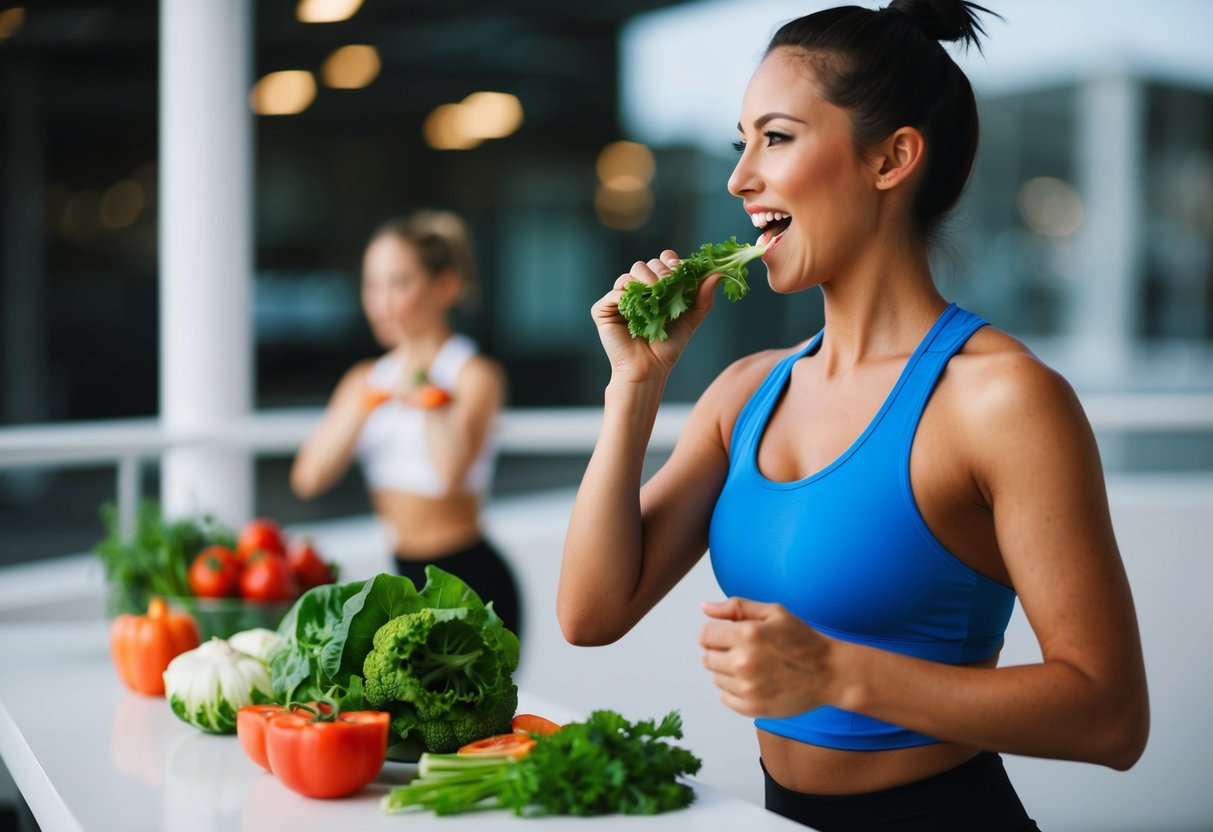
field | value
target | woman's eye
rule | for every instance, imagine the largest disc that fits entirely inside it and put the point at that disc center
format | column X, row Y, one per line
column 776, row 138
column 739, row 146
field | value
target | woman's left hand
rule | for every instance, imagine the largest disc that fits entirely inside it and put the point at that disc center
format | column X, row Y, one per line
column 766, row 661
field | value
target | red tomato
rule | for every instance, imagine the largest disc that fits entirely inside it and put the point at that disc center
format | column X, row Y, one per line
column 267, row 577
column 307, row 566
column 532, row 724
column 327, row 759
column 260, row 535
column 513, row 745
column 215, row 573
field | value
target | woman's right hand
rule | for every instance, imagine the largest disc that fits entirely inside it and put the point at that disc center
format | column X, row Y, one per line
column 635, row 359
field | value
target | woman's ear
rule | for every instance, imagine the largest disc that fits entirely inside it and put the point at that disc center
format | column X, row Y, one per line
column 449, row 285
column 895, row 159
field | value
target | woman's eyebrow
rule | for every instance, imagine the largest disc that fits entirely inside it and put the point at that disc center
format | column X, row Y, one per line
column 763, row 119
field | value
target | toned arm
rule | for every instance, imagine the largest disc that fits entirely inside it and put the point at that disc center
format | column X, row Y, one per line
column 326, row 454
column 455, row 434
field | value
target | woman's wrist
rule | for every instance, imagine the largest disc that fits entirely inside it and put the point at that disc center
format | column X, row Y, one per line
column 846, row 686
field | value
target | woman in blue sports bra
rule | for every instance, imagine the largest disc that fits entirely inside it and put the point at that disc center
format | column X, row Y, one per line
column 419, row 419
column 875, row 498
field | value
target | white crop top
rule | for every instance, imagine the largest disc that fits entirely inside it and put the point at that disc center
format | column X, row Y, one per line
column 392, row 448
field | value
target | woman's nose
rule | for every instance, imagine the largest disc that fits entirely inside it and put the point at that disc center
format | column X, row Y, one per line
column 742, row 180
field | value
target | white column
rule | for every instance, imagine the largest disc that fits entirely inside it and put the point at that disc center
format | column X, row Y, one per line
column 206, row 255
column 1110, row 154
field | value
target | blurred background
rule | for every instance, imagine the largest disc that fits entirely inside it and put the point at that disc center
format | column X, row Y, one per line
column 576, row 138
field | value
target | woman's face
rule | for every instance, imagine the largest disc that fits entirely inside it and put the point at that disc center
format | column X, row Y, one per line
column 799, row 163
column 398, row 295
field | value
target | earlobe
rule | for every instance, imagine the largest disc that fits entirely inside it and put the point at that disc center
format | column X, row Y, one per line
column 898, row 157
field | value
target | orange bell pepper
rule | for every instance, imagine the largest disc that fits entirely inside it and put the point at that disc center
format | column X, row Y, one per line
column 143, row 645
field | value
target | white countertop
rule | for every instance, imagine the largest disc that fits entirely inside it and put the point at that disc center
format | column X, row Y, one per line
column 88, row 754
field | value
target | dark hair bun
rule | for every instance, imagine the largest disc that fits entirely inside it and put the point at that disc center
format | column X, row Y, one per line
column 947, row 20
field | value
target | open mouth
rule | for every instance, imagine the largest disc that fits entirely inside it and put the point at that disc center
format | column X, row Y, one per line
column 771, row 225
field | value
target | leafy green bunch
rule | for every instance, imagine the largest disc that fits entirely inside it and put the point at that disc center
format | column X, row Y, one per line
column 440, row 660
column 156, row 560
column 601, row 766
column 650, row 308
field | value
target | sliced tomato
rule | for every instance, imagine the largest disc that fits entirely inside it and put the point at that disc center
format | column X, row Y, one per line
column 512, row 745
column 331, row 758
column 533, row 724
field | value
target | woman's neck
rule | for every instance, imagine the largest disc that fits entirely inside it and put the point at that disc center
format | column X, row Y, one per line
column 422, row 345
column 880, row 309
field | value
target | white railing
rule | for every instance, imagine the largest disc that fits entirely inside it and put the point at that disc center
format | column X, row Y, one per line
column 130, row 443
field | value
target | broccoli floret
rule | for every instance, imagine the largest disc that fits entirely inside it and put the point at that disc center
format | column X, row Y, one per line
column 444, row 674
column 464, row 725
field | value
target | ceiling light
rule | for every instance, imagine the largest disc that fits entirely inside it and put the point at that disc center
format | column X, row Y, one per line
column 11, row 21
column 283, row 93
column 326, row 11
column 490, row 115
column 351, row 67
column 443, row 129
column 626, row 166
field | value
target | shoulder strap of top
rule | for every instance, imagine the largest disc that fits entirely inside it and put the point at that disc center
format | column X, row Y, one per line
column 752, row 419
column 948, row 340
column 450, row 360
column 385, row 372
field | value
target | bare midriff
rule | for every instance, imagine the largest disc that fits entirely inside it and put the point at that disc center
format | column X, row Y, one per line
column 811, row 768
column 816, row 769
column 427, row 527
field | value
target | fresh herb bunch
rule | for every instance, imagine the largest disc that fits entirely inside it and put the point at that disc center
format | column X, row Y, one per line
column 649, row 308
column 601, row 766
column 156, row 560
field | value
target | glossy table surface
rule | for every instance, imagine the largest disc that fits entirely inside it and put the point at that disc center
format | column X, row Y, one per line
column 89, row 755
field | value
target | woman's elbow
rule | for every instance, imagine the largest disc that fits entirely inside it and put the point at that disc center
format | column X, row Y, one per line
column 584, row 628
column 1134, row 737
column 1122, row 738
column 304, row 484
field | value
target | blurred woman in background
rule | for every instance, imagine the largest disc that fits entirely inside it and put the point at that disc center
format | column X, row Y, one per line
column 419, row 419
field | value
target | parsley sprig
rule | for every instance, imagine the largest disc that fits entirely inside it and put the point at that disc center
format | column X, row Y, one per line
column 601, row 766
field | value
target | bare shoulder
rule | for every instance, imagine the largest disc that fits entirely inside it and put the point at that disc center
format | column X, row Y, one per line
column 1000, row 396
column 355, row 377
column 995, row 371
column 483, row 367
column 722, row 402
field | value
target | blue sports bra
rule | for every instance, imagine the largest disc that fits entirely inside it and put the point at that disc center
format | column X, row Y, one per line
column 846, row 549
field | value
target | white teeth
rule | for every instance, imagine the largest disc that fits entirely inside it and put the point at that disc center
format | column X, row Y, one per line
column 765, row 218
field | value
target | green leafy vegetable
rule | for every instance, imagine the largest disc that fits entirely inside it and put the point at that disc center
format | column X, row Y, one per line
column 445, row 673
column 156, row 560
column 601, row 766
column 442, row 666
column 649, row 309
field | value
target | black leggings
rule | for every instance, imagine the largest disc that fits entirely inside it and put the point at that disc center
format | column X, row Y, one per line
column 482, row 568
column 976, row 796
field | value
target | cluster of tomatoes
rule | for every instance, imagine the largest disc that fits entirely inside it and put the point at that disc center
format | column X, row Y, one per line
column 264, row 566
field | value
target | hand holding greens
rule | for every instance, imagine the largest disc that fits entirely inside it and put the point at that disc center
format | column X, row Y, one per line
column 650, row 308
